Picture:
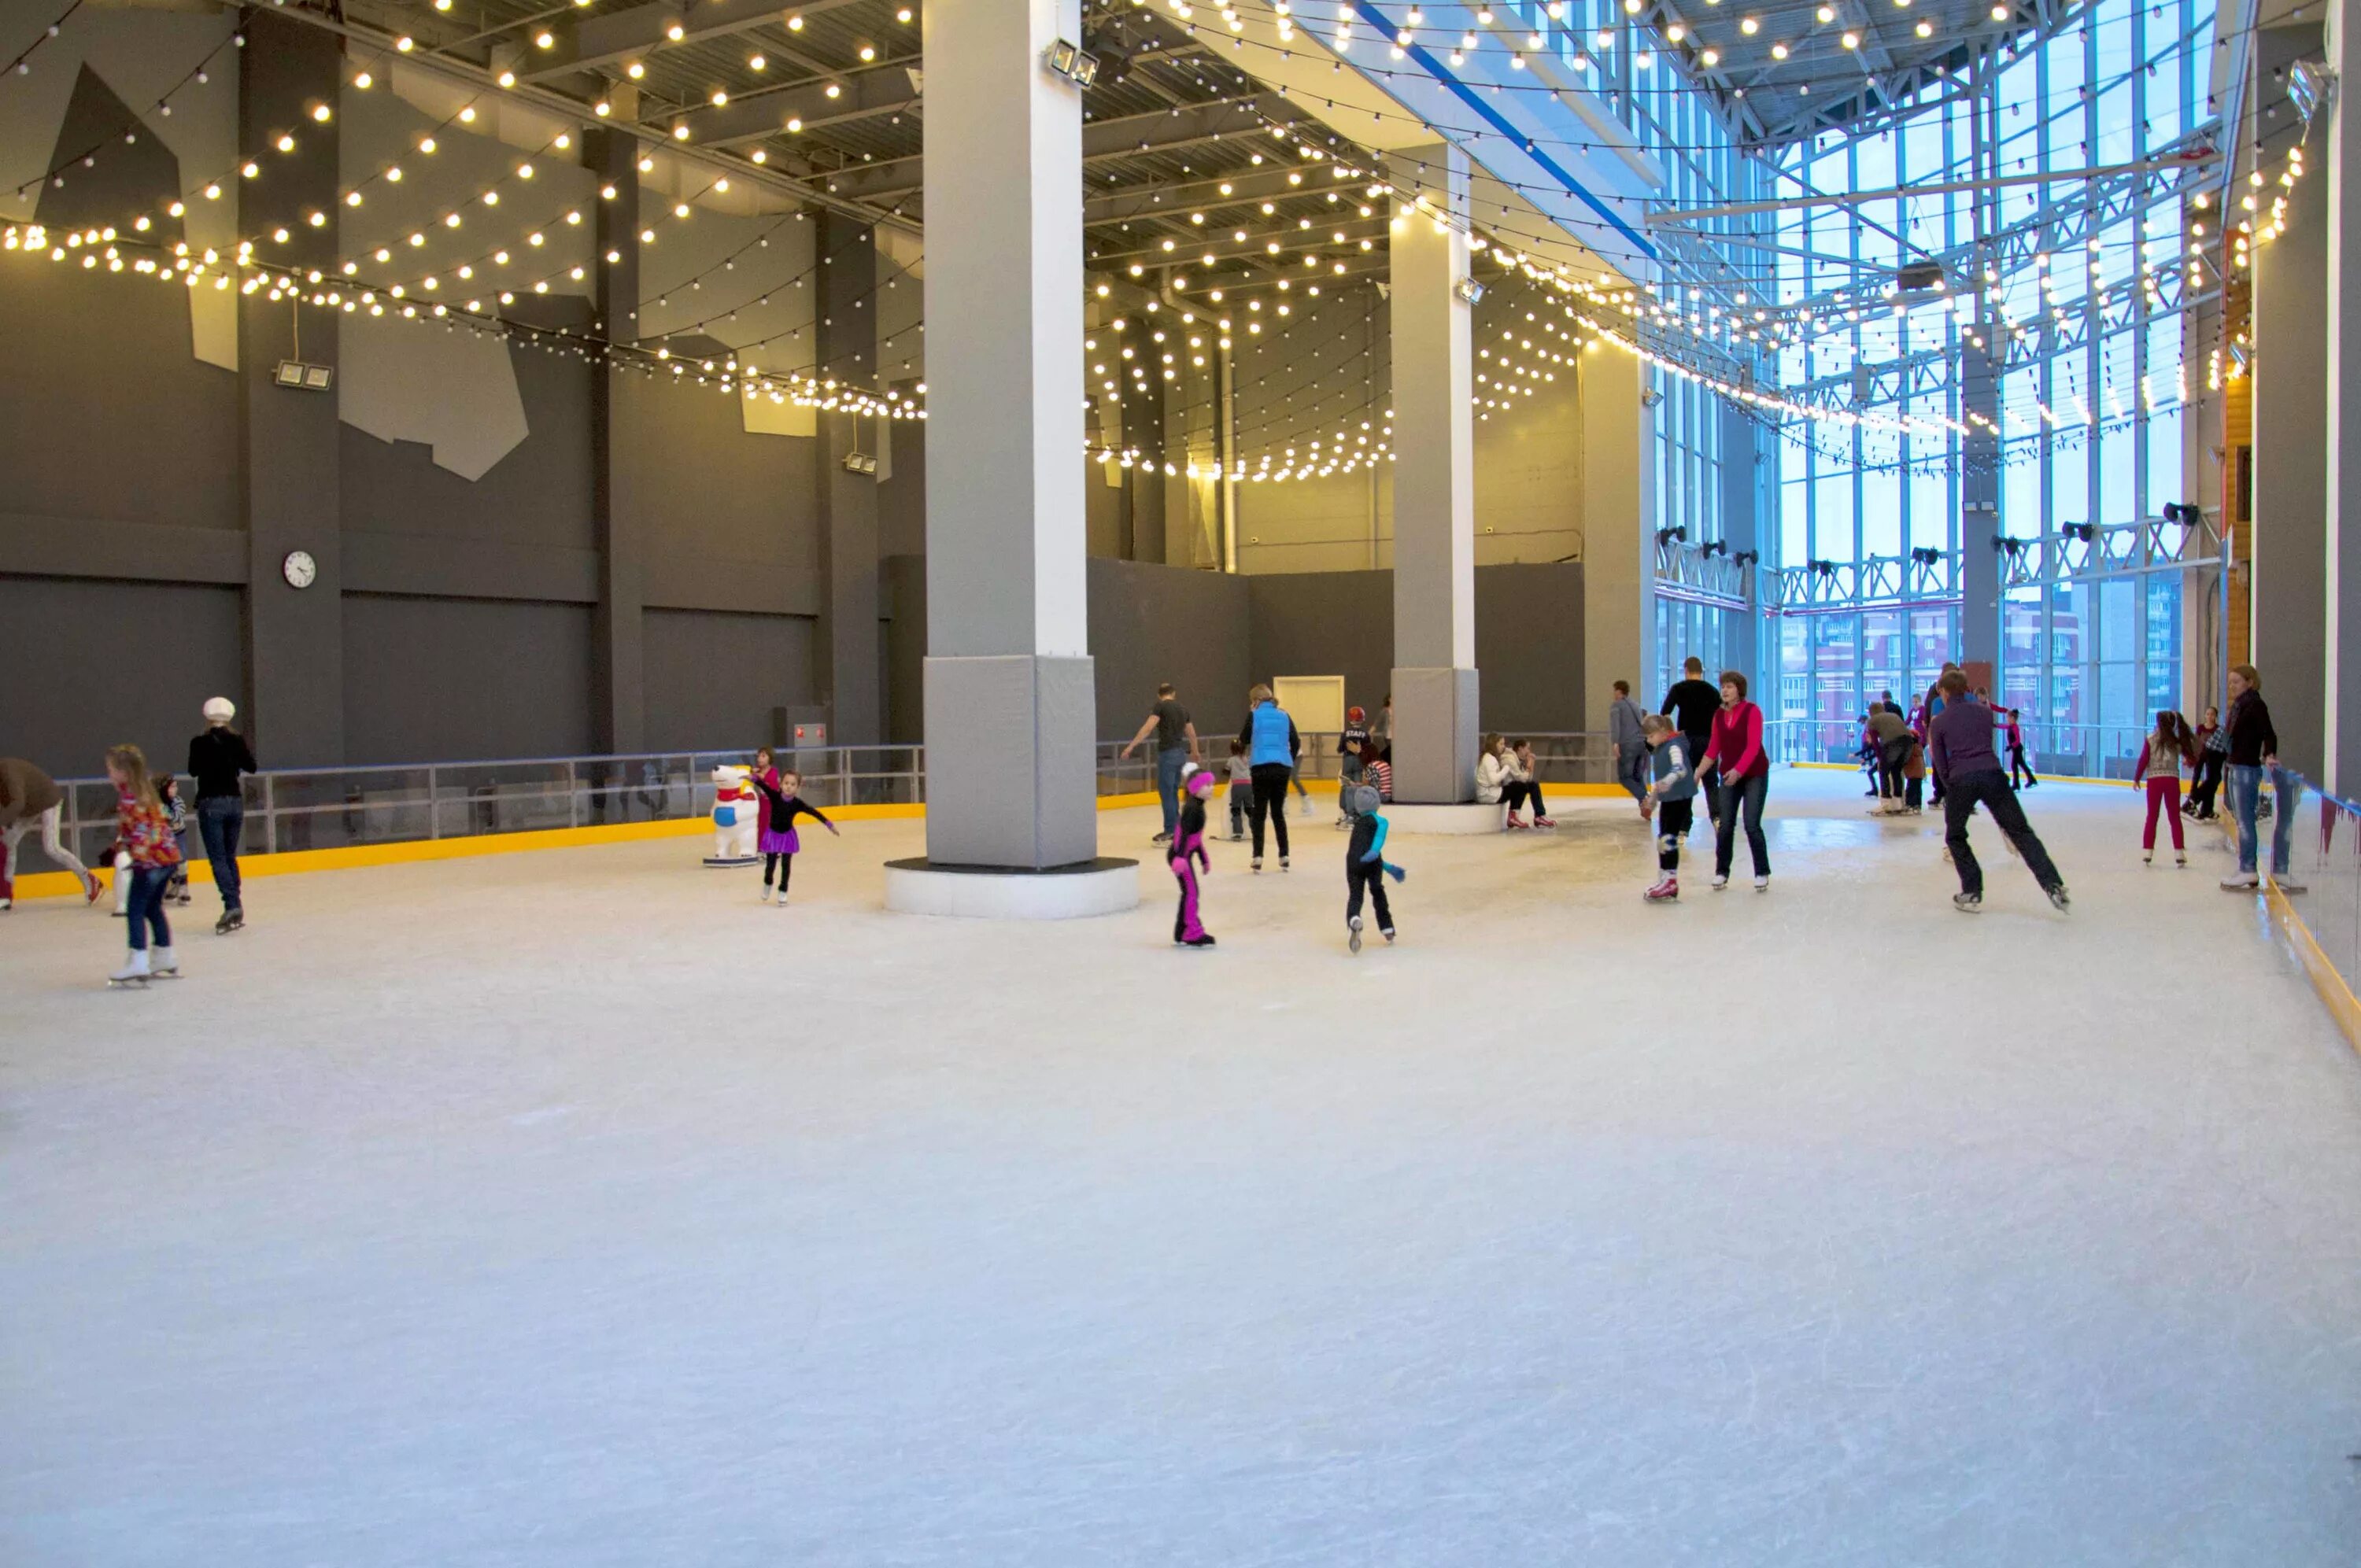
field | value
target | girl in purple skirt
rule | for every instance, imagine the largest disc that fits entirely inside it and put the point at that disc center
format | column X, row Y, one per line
column 776, row 841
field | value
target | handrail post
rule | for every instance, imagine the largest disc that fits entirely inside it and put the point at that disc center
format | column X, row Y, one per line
column 269, row 815
column 573, row 798
column 434, row 807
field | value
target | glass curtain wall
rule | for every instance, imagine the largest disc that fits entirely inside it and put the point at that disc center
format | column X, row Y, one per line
column 2091, row 393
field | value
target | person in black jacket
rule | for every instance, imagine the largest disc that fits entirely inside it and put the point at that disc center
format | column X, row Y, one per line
column 217, row 760
column 777, row 840
column 2255, row 753
column 1691, row 703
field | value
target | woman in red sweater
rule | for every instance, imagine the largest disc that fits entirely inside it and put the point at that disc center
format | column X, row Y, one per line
column 1742, row 776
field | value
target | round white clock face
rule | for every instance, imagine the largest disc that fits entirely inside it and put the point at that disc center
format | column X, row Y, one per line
column 299, row 568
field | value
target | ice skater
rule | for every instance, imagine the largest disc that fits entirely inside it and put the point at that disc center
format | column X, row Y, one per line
column 1241, row 775
column 1272, row 746
column 2168, row 745
column 1185, row 854
column 1366, row 869
column 777, row 842
column 1961, row 747
column 217, row 760
column 1671, row 799
column 142, row 832
column 30, row 797
column 176, row 812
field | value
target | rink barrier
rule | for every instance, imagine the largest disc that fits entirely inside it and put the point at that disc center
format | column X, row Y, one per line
column 412, row 852
column 2044, row 778
column 2321, row 925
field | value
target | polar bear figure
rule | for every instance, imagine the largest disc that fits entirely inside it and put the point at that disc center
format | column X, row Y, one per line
column 736, row 812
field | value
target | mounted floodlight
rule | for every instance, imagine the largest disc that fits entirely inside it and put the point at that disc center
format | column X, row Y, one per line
column 303, row 378
column 1920, row 278
column 1468, row 290
column 2312, row 87
column 1070, row 62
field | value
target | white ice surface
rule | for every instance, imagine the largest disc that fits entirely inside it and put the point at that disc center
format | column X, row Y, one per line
column 573, row 1208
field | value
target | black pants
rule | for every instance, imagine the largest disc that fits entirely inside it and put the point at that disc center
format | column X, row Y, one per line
column 1270, row 802
column 1991, row 790
column 1515, row 793
column 1673, row 819
column 1741, row 798
column 785, row 865
column 2017, row 764
column 1692, row 747
column 1892, row 758
column 2208, row 783
column 1371, row 875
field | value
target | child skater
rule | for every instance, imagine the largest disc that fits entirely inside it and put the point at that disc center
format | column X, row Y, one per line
column 1673, row 791
column 176, row 816
column 1186, row 855
column 1366, row 868
column 1241, row 791
column 142, row 832
column 2168, row 745
column 777, row 842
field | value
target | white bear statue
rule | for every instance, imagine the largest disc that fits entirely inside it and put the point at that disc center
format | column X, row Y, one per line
column 736, row 812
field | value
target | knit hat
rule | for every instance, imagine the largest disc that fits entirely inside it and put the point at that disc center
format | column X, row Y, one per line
column 1200, row 782
column 220, row 710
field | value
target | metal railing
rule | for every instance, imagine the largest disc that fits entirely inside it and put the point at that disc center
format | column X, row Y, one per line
column 2324, row 859
column 2065, row 750
column 289, row 809
column 323, row 808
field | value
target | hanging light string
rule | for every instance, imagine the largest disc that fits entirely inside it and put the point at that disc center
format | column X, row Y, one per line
column 127, row 132
column 23, row 64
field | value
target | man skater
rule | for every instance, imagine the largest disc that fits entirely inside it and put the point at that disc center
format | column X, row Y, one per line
column 27, row 796
column 1960, row 744
column 217, row 758
column 1631, row 744
column 1691, row 705
column 1176, row 745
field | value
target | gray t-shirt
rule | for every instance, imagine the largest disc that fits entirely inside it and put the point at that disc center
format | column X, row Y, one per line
column 1171, row 725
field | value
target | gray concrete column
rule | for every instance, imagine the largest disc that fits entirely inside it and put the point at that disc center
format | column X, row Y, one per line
column 619, row 699
column 1436, row 715
column 845, row 333
column 288, row 437
column 2341, row 707
column 1980, row 519
column 2291, row 449
column 1618, row 520
column 1011, row 710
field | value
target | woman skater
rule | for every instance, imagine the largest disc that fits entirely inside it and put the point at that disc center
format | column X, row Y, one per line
column 1744, row 772
column 142, row 832
column 1186, row 855
column 2161, row 754
column 777, row 842
column 1272, row 745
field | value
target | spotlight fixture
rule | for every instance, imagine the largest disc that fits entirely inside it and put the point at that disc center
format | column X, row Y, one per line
column 1468, row 290
column 2311, row 87
column 857, row 462
column 296, row 374
column 1070, row 61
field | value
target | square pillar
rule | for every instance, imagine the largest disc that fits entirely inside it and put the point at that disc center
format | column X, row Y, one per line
column 1618, row 520
column 846, row 343
column 618, row 689
column 1436, row 715
column 1980, row 563
column 2292, row 450
column 2341, row 707
column 288, row 437
column 1011, row 710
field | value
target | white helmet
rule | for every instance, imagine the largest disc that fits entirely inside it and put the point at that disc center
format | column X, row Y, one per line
column 220, row 710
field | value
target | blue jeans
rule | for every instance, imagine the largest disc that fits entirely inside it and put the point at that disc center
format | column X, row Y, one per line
column 147, row 906
column 220, row 819
column 1169, row 759
column 1743, row 798
column 2245, row 795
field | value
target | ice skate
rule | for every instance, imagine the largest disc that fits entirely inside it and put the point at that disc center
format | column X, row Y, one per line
column 1544, row 821
column 2148, row 857
column 2287, row 884
column 1161, row 839
column 1282, row 862
column 1257, row 865
column 1353, row 942
column 2180, row 858
column 162, row 964
column 763, row 897
column 1667, row 888
column 1762, row 884
column 1389, row 934
column 133, row 970
column 1968, row 903
column 1515, row 821
column 2244, row 881
column 1202, row 939
column 1719, row 883
column 2057, row 898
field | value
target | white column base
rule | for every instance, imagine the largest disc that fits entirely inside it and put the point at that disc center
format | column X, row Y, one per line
column 1102, row 886
column 1436, row 819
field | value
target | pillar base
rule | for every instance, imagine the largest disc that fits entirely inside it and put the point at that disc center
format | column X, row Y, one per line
column 1012, row 761
column 1435, row 735
column 1440, row 819
column 1102, row 886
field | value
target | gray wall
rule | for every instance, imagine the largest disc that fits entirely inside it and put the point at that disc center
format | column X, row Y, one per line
column 92, row 664
column 1155, row 623
column 434, row 679
column 714, row 676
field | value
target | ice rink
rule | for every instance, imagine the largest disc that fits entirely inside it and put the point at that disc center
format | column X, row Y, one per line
column 573, row 1208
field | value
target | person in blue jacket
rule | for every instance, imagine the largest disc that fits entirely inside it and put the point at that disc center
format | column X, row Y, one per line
column 1272, row 745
